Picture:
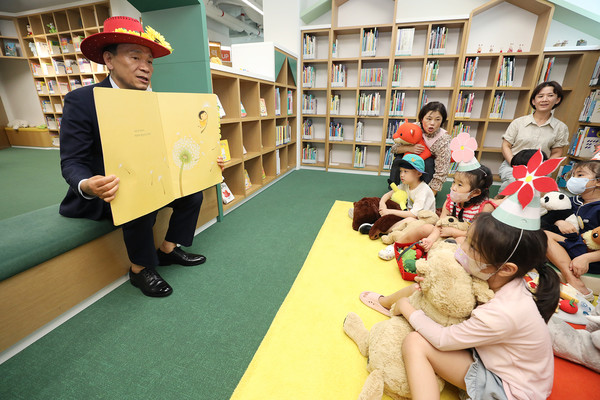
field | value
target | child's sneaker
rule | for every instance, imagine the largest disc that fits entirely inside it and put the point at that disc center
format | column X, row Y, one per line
column 387, row 254
column 351, row 212
column 365, row 228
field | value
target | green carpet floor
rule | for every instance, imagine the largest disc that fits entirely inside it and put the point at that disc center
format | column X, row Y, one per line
column 30, row 179
column 197, row 343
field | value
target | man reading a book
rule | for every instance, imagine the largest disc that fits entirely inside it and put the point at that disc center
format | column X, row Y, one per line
column 128, row 53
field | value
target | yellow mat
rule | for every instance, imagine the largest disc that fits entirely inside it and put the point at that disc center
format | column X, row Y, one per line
column 306, row 354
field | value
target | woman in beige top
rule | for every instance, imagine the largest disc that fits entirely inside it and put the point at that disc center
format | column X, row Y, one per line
column 539, row 130
column 431, row 117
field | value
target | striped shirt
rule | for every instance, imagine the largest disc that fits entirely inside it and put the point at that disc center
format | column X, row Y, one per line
column 469, row 213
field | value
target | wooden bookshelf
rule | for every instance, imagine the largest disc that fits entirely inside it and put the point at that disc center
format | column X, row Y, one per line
column 62, row 67
column 10, row 43
column 253, row 141
column 463, row 39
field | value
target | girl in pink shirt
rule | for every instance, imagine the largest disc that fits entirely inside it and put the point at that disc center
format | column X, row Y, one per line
column 503, row 351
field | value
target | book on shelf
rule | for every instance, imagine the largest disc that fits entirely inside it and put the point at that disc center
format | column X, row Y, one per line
column 392, row 128
column 369, row 42
column 53, row 87
column 59, row 67
column 506, row 75
column 74, row 83
column 47, row 68
column 360, row 130
column 54, row 47
column 360, row 155
column 87, row 81
column 263, row 175
column 396, row 75
column 225, row 150
column 334, row 48
column 41, row 87
column 584, row 142
column 226, row 193
column 591, row 107
column 220, row 108
column 71, row 66
column 388, row 159
column 404, row 41
column 63, row 87
column 309, row 104
column 459, row 128
column 464, row 105
column 369, row 104
column 58, row 121
column 36, row 69
column 263, row 107
column 336, row 131
column 277, row 102
column 42, row 49
column 242, row 110
column 371, row 77
column 334, row 104
column 469, row 70
column 437, row 40
column 283, row 134
column 595, row 79
column 339, row 75
column 424, row 99
column 47, row 106
column 309, row 154
column 431, row 72
column 290, row 102
column 84, row 65
column 33, row 49
column 247, row 182
column 51, row 123
column 10, row 49
column 498, row 104
column 277, row 162
column 308, row 130
column 66, row 45
column 397, row 104
column 309, row 43
column 77, row 42
column 546, row 69
column 58, row 107
column 308, row 76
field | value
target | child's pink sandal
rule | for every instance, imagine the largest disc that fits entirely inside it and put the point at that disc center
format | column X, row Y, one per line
column 371, row 300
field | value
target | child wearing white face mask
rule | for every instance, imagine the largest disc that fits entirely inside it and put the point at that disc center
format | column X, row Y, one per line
column 568, row 250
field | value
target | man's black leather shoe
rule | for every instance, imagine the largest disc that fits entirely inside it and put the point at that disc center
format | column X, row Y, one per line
column 150, row 283
column 178, row 256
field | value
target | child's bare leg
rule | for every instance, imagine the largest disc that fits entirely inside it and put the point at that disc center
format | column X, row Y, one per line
column 419, row 233
column 422, row 361
column 387, row 301
column 560, row 258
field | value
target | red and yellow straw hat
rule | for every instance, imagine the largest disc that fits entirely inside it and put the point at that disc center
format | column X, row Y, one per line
column 124, row 30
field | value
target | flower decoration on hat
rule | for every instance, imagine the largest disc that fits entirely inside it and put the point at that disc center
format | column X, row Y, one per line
column 463, row 147
column 152, row 34
column 533, row 177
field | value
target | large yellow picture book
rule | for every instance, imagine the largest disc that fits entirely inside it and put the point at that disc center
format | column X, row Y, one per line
column 162, row 146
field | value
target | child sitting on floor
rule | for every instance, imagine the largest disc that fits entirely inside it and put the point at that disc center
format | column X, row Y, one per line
column 420, row 196
column 469, row 195
column 567, row 251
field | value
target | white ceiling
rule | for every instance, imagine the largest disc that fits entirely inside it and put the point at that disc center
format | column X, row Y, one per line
column 20, row 6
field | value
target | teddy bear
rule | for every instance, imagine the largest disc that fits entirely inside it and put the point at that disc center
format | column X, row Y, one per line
column 423, row 217
column 448, row 295
column 592, row 239
column 366, row 211
column 556, row 206
column 409, row 134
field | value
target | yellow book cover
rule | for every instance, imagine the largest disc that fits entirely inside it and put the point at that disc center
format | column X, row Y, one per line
column 164, row 148
column 225, row 150
column 247, row 182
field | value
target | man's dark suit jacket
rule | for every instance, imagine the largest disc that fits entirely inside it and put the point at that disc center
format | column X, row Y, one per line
column 81, row 152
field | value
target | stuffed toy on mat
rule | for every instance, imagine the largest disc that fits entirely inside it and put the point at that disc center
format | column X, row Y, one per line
column 448, row 295
column 423, row 217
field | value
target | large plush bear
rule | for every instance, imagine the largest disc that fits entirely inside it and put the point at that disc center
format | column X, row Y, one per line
column 448, row 295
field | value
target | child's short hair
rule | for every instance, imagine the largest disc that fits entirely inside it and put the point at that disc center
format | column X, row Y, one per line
column 433, row 106
column 592, row 165
column 480, row 178
column 557, row 90
column 523, row 156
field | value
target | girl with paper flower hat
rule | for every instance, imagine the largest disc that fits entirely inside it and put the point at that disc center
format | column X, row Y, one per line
column 469, row 196
column 567, row 250
column 504, row 350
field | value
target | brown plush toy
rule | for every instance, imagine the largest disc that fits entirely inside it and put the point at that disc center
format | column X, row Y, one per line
column 399, row 232
column 452, row 222
column 366, row 211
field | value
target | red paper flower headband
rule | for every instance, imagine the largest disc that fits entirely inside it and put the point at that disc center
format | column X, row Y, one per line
column 533, row 177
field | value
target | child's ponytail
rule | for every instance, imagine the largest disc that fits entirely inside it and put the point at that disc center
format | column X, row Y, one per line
column 547, row 292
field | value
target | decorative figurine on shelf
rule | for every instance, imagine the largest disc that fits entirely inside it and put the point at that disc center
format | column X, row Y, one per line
column 51, row 27
column 581, row 42
column 491, row 50
column 510, row 48
column 29, row 31
column 520, row 50
column 479, row 47
column 557, row 44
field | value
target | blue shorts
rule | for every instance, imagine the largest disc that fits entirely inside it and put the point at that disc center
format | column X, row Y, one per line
column 483, row 384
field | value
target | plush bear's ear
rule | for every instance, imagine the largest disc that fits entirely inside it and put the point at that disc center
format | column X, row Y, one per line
column 482, row 291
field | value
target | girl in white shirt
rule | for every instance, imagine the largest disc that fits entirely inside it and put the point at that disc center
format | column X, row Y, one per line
column 503, row 351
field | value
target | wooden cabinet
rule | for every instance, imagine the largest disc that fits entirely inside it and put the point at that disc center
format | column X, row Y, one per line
column 262, row 147
column 50, row 41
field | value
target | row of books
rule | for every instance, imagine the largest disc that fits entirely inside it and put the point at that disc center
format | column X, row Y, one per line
column 546, row 69
column 431, row 73
column 336, row 131
column 309, row 104
column 498, row 104
column 437, row 40
column 338, row 75
column 283, row 134
column 464, row 105
column 10, row 49
column 595, row 79
column 396, row 75
column 469, row 70
column 308, row 130
column 591, row 107
column 397, row 104
column 388, row 159
column 308, row 76
column 69, row 66
column 506, row 75
column 334, row 104
column 359, row 132
column 392, row 128
column 584, row 141
column 53, row 123
column 290, row 102
column 371, row 77
column 309, row 154
column 404, row 41
column 63, row 45
column 459, row 128
column 369, row 42
column 309, row 46
column 369, row 104
column 360, row 156
column 424, row 99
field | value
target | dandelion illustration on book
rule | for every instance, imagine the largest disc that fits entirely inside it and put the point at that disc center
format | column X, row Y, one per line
column 186, row 153
column 203, row 116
